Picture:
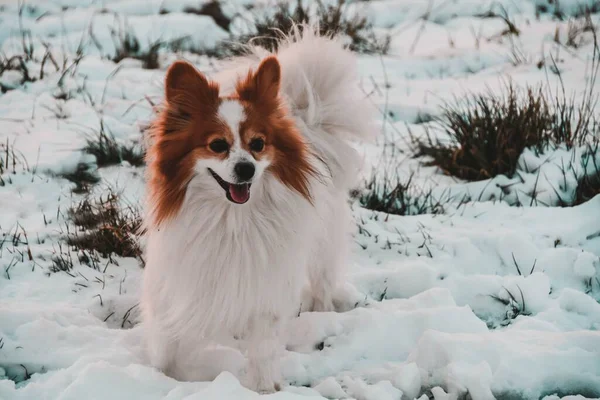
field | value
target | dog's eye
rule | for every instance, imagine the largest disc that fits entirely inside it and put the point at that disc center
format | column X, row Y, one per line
column 219, row 146
column 257, row 145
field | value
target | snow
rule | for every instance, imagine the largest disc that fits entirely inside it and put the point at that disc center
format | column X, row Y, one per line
column 496, row 297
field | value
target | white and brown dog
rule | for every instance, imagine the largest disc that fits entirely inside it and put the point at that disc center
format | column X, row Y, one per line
column 248, row 176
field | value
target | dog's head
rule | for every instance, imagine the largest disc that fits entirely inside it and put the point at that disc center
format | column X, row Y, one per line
column 228, row 144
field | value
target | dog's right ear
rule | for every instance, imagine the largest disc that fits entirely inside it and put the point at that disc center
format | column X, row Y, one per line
column 188, row 90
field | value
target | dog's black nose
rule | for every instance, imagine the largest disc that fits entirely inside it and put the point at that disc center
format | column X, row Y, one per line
column 244, row 170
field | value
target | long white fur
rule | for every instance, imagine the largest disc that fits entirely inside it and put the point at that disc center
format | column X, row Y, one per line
column 220, row 270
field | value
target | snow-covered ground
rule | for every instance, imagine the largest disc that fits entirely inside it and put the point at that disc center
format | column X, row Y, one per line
column 487, row 299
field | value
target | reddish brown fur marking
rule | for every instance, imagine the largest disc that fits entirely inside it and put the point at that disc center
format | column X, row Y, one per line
column 189, row 122
column 266, row 117
column 181, row 135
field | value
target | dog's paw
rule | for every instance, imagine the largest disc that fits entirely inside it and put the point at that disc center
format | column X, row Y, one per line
column 260, row 383
column 269, row 390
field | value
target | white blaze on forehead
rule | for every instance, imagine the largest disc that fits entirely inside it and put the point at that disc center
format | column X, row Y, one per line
column 232, row 113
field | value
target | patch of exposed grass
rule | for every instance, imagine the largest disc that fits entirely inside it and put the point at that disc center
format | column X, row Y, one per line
column 559, row 12
column 105, row 227
column 588, row 188
column 18, row 67
column 19, row 63
column 128, row 46
column 400, row 197
column 211, row 9
column 62, row 261
column 485, row 134
column 576, row 30
column 332, row 19
column 11, row 163
column 83, row 177
column 589, row 183
column 488, row 132
column 108, row 151
column 511, row 26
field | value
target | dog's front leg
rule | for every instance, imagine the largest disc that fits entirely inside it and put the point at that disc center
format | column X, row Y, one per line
column 160, row 347
column 264, row 350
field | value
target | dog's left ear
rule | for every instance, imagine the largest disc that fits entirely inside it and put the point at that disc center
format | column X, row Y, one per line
column 263, row 85
column 268, row 78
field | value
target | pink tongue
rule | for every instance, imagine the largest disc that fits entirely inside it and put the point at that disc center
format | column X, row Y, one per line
column 239, row 193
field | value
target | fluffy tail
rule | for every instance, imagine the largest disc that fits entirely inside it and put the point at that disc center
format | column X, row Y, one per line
column 320, row 85
column 320, row 80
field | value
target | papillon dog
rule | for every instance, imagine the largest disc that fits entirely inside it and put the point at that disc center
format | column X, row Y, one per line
column 248, row 174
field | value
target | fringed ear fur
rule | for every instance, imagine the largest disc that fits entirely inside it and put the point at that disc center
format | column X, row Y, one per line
column 263, row 85
column 188, row 91
column 260, row 89
column 192, row 102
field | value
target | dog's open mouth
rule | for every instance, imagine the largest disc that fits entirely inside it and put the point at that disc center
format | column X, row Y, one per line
column 238, row 193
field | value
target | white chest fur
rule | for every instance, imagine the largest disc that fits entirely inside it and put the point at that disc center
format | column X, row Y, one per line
column 217, row 266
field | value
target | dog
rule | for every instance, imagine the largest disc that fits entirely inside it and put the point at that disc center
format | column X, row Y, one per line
column 248, row 175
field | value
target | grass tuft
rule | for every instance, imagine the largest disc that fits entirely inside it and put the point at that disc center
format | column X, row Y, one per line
column 108, row 151
column 488, row 132
column 61, row 262
column 400, row 197
column 589, row 183
column 561, row 13
column 18, row 66
column 83, row 177
column 11, row 163
column 515, row 306
column 212, row 9
column 105, row 227
column 332, row 19
column 576, row 30
column 128, row 46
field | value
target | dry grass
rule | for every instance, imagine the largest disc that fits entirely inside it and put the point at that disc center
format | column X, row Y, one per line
column 108, row 151
column 488, row 132
column 576, row 30
column 105, row 227
column 212, row 9
column 332, row 19
column 589, row 184
column 554, row 7
column 128, row 46
column 399, row 197
column 83, row 177
column 11, row 163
